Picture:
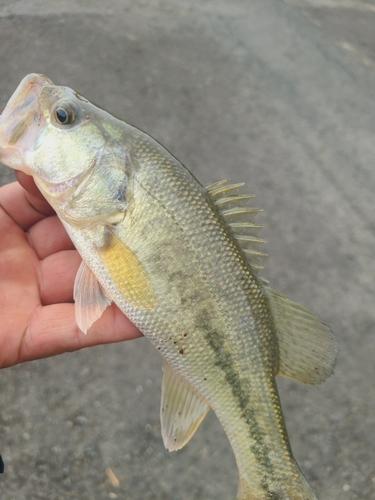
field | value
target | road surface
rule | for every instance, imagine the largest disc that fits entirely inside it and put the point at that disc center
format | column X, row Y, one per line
column 279, row 95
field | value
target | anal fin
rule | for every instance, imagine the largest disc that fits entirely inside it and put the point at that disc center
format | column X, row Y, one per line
column 181, row 410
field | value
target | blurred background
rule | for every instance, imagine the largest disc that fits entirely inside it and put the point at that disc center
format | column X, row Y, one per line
column 280, row 95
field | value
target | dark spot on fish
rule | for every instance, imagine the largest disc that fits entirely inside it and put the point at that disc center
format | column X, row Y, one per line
column 185, row 334
column 1, row 465
column 181, row 351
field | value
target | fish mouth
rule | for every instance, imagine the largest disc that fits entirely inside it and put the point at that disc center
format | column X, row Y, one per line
column 16, row 133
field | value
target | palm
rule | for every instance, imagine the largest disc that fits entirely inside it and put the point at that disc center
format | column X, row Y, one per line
column 38, row 264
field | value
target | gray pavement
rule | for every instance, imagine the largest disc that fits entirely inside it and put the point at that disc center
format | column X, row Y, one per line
column 279, row 95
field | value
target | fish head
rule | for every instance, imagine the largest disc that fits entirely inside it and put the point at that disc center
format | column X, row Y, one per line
column 61, row 139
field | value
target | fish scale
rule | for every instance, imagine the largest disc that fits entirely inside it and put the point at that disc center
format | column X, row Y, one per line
column 180, row 261
column 225, row 262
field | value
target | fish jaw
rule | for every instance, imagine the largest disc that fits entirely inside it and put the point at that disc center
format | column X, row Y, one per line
column 21, row 122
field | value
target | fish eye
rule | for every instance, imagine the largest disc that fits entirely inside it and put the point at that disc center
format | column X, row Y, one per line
column 65, row 113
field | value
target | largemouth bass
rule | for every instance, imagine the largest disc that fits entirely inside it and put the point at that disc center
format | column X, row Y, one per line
column 181, row 261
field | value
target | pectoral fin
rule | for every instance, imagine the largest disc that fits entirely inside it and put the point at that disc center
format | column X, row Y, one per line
column 181, row 411
column 89, row 297
column 127, row 273
column 308, row 348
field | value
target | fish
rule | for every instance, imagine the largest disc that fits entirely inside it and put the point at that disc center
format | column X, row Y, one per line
column 183, row 262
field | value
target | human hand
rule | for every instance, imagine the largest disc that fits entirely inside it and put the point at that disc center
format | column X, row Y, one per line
column 38, row 264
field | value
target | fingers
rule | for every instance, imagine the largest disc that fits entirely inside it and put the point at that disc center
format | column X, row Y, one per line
column 41, row 206
column 14, row 202
column 57, row 275
column 33, row 194
column 48, row 236
column 52, row 328
column 27, row 182
column 53, row 331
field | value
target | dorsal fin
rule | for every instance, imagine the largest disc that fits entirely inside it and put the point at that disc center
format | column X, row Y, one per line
column 234, row 207
column 308, row 348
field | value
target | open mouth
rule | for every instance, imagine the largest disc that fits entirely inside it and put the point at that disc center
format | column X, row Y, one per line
column 21, row 111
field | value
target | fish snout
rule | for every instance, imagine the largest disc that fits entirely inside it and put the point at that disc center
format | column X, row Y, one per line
column 21, row 112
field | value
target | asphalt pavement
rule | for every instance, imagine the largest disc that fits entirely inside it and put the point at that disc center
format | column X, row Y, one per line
column 280, row 95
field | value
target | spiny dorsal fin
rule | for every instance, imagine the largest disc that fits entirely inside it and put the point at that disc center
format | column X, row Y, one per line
column 240, row 218
column 181, row 409
column 217, row 189
column 308, row 348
